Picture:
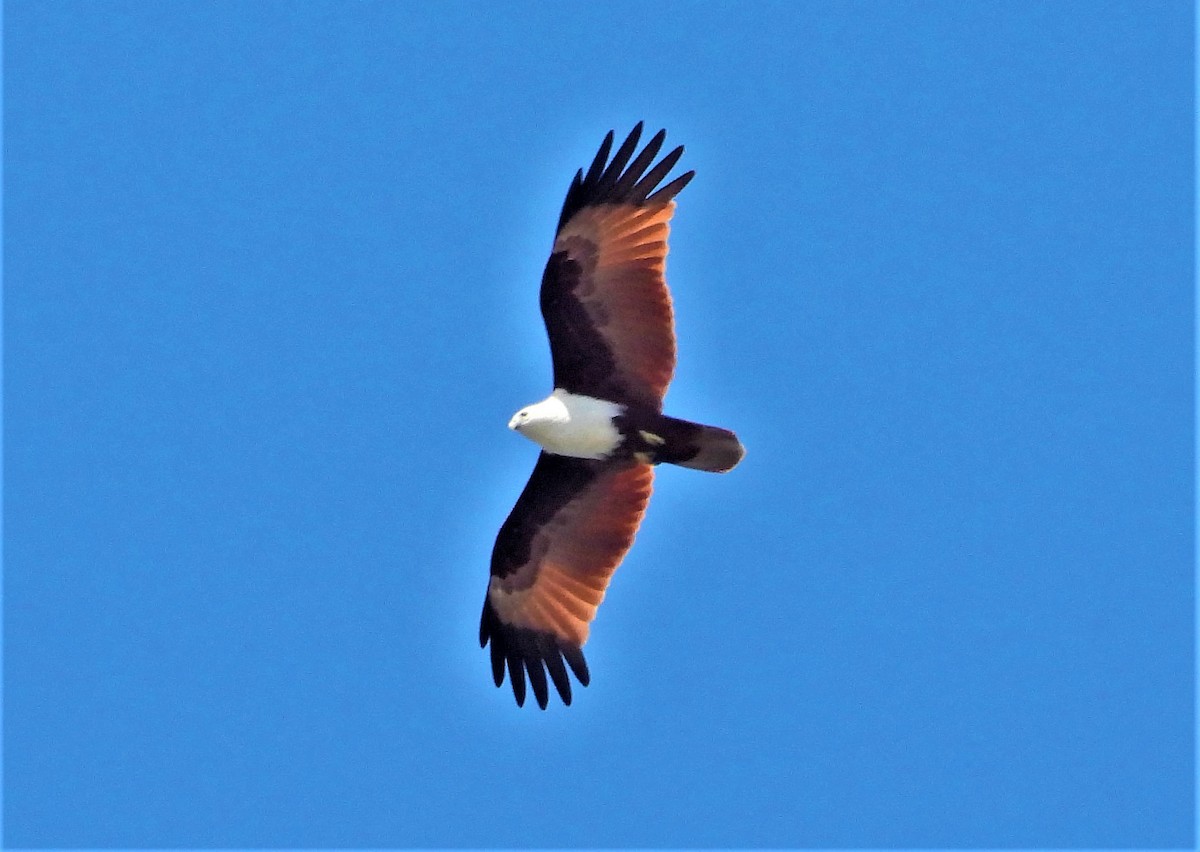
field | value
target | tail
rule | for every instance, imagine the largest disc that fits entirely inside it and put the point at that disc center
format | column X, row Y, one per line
column 697, row 446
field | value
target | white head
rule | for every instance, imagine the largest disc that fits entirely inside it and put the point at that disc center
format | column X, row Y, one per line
column 532, row 420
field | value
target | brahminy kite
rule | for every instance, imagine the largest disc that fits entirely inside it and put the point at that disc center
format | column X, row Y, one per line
column 608, row 313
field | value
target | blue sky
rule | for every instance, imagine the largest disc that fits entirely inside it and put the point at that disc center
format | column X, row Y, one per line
column 271, row 297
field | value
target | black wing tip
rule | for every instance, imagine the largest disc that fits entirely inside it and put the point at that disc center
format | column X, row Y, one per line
column 575, row 659
column 523, row 651
column 619, row 180
column 668, row 192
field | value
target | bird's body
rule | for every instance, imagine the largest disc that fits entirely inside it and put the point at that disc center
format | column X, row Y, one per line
column 612, row 342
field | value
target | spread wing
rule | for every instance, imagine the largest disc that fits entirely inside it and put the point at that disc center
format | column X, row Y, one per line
column 604, row 295
column 554, row 556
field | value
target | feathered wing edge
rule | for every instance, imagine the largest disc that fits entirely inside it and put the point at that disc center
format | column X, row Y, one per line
column 623, row 182
column 524, row 650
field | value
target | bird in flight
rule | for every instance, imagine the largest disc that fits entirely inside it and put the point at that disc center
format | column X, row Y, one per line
column 607, row 310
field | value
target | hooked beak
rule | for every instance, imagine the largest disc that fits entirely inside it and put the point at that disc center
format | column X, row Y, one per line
column 514, row 424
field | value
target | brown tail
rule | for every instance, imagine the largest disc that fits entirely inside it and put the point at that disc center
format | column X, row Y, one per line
column 698, row 446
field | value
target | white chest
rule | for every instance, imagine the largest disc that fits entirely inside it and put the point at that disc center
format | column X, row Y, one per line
column 570, row 425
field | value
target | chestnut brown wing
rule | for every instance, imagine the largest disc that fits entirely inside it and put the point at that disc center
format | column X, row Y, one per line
column 552, row 562
column 604, row 293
